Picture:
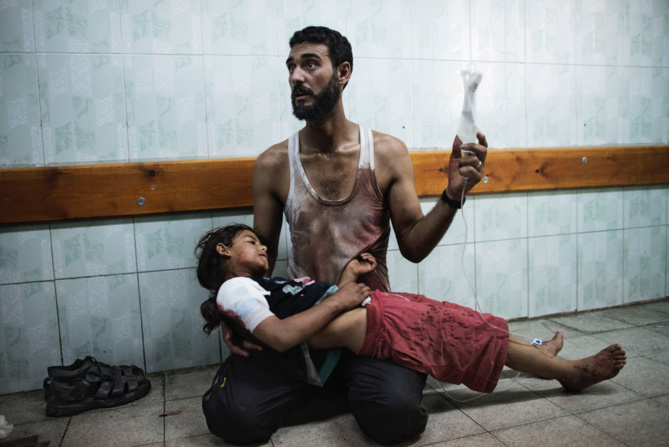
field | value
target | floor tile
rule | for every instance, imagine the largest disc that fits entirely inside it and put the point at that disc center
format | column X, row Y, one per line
column 340, row 430
column 513, row 405
column 662, row 328
column 189, row 383
column 636, row 315
column 184, row 419
column 51, row 430
column 123, row 426
column 445, row 421
column 659, row 306
column 560, row 432
column 484, row 440
column 645, row 376
column 642, row 423
column 636, row 341
column 21, row 408
column 207, row 440
column 601, row 395
column 589, row 322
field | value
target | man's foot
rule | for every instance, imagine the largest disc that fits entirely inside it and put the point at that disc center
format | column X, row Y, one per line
column 604, row 365
column 552, row 346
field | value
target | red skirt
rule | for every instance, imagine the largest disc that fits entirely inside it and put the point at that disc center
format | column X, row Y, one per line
column 452, row 343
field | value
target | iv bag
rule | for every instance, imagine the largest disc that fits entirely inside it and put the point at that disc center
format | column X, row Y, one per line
column 471, row 79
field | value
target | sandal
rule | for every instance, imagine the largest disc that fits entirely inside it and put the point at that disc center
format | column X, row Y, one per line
column 88, row 384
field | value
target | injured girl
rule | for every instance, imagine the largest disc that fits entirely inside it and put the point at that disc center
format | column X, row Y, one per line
column 452, row 343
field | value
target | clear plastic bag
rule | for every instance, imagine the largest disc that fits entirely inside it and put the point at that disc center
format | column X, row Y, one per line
column 471, row 79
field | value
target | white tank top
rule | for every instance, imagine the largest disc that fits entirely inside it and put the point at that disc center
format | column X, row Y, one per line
column 327, row 234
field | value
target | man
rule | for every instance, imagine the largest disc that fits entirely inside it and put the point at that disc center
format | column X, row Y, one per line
column 340, row 186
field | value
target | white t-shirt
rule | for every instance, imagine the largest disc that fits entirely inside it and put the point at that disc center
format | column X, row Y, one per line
column 244, row 299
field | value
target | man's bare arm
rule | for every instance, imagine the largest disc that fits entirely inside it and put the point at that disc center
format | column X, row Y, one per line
column 418, row 234
column 268, row 179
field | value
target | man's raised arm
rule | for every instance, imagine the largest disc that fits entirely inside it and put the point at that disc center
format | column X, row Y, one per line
column 418, row 234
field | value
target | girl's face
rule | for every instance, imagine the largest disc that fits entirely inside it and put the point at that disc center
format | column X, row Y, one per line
column 248, row 257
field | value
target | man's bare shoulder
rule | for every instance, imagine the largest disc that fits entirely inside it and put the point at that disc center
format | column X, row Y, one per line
column 389, row 149
column 275, row 156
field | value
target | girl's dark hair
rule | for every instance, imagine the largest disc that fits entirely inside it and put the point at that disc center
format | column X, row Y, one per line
column 210, row 273
column 339, row 48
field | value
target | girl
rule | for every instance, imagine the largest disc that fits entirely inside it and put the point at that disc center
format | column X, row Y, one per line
column 452, row 343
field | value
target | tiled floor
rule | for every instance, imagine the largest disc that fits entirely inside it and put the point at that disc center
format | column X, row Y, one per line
column 632, row 409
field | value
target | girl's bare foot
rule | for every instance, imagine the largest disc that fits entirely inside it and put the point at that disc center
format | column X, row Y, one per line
column 552, row 346
column 604, row 365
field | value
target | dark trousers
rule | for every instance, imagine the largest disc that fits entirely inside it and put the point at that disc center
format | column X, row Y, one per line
column 251, row 398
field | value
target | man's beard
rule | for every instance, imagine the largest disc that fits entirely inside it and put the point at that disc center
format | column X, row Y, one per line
column 323, row 104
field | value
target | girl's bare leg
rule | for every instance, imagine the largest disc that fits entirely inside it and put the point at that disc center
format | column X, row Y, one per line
column 552, row 346
column 573, row 375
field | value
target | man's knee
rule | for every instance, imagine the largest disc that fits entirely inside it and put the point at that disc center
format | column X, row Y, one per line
column 397, row 418
column 386, row 401
column 235, row 425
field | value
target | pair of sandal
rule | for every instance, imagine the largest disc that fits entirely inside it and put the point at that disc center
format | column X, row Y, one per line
column 88, row 384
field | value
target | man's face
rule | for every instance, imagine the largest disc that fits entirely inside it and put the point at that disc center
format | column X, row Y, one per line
column 313, row 81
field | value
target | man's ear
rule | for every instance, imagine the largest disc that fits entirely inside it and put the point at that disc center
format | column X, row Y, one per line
column 344, row 72
column 222, row 250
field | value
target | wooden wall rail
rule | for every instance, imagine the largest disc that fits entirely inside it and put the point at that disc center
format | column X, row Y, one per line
column 130, row 189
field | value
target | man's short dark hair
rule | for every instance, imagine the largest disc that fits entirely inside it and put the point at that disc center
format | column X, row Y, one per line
column 339, row 48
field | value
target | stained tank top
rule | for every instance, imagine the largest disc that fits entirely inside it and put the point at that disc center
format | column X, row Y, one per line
column 327, row 234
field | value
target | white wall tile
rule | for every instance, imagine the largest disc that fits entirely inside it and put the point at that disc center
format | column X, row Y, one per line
column 600, row 209
column 498, row 30
column 448, row 274
column 552, row 213
column 403, row 274
column 165, row 98
column 600, row 32
column 243, row 28
column 242, row 105
column 437, row 94
column 172, row 323
column 379, row 98
column 500, row 217
column 170, row 27
column 77, row 26
column 298, row 14
column 20, row 123
column 25, row 254
column 551, row 105
column 645, row 206
column 380, row 29
column 83, row 110
column 550, row 31
column 16, row 27
column 500, row 105
column 100, row 248
column 169, row 242
column 552, row 274
column 600, row 105
column 648, row 110
column 29, row 339
column 501, row 278
column 600, row 269
column 647, row 36
column 440, row 30
column 100, row 316
column 645, row 263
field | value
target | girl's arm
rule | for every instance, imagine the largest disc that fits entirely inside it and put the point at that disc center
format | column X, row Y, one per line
column 361, row 265
column 283, row 334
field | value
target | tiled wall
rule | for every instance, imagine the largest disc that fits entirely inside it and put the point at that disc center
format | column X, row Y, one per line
column 121, row 80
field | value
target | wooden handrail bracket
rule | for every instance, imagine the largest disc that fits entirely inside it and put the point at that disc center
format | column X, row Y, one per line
column 58, row 193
